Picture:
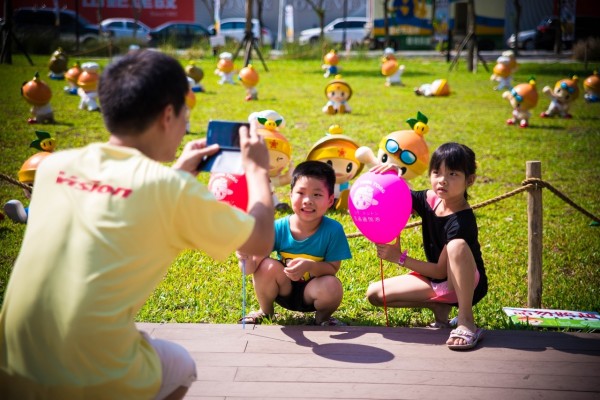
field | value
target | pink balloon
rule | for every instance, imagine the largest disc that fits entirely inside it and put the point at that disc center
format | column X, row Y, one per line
column 229, row 188
column 380, row 205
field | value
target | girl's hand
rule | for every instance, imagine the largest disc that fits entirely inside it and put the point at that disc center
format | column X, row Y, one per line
column 389, row 252
column 381, row 168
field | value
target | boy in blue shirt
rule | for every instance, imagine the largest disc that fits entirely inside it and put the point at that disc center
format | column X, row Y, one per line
column 310, row 248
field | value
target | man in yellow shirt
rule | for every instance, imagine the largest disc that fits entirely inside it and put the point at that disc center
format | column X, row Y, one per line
column 119, row 217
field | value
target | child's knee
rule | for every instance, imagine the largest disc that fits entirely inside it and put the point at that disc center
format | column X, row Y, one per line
column 373, row 295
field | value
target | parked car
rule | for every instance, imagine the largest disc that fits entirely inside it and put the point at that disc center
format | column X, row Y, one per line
column 542, row 37
column 38, row 26
column 178, row 34
column 235, row 29
column 125, row 28
column 355, row 27
column 525, row 40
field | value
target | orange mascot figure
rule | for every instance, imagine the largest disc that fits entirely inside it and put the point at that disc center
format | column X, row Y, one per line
column 522, row 98
column 88, row 86
column 37, row 93
column 564, row 94
column 406, row 148
column 249, row 78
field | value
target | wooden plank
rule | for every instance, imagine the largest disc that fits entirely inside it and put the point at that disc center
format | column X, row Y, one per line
column 376, row 390
column 302, row 362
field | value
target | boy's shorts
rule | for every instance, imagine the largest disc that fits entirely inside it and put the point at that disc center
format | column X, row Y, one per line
column 178, row 367
column 295, row 300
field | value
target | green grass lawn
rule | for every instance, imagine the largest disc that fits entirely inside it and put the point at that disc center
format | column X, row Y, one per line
column 198, row 289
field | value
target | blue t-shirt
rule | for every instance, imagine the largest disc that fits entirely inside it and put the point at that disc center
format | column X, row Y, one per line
column 328, row 243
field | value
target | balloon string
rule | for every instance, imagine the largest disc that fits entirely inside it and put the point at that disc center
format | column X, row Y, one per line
column 243, row 294
column 387, row 321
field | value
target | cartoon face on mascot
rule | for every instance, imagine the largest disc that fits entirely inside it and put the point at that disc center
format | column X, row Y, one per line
column 405, row 148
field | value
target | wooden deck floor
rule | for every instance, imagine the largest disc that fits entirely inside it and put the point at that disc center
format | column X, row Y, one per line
column 356, row 362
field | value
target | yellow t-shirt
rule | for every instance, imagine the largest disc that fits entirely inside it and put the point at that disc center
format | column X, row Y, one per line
column 105, row 222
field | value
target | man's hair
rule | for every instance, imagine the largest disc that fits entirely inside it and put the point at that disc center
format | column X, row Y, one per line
column 315, row 169
column 135, row 89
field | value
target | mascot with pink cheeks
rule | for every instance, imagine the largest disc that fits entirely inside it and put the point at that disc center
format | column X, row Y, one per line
column 522, row 98
column 338, row 92
column 407, row 149
column 338, row 151
column 280, row 151
column 564, row 94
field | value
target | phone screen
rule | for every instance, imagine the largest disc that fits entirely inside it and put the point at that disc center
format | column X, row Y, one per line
column 229, row 158
column 225, row 133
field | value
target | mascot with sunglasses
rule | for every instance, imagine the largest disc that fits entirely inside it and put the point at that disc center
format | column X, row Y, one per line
column 407, row 149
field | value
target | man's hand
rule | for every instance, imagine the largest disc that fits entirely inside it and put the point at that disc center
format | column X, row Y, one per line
column 192, row 154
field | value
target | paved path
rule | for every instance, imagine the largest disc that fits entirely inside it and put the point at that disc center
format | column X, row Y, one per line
column 359, row 362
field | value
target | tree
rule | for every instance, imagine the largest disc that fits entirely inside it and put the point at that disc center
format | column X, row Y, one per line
column 386, row 22
column 517, row 4
column 558, row 32
column 259, row 11
column 210, row 6
column 319, row 8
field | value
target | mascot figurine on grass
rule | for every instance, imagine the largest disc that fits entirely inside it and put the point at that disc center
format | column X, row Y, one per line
column 562, row 96
column 58, row 65
column 330, row 64
column 37, row 93
column 338, row 92
column 437, row 88
column 591, row 86
column 71, row 77
column 249, row 78
column 14, row 209
column 523, row 98
column 196, row 74
column 407, row 149
column 225, row 68
column 338, row 150
column 506, row 66
column 280, row 151
column 88, row 86
column 391, row 69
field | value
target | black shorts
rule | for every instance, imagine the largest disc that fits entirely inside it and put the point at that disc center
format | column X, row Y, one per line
column 295, row 300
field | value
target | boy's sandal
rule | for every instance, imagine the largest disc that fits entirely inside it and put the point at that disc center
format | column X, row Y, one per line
column 471, row 338
column 254, row 318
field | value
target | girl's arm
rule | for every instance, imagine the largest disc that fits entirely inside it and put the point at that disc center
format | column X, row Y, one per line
column 393, row 253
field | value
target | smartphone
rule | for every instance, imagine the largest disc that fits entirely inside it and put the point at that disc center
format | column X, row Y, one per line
column 229, row 157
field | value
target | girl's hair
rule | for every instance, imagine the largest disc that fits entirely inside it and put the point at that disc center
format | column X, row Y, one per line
column 455, row 156
column 315, row 169
column 135, row 89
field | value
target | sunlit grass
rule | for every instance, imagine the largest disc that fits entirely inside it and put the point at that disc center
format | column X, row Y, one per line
column 197, row 289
